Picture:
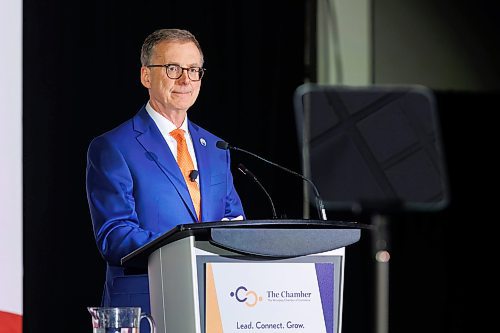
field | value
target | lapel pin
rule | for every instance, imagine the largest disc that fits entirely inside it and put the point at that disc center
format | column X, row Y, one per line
column 203, row 142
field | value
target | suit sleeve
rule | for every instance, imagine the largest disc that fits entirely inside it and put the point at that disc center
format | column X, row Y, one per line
column 109, row 185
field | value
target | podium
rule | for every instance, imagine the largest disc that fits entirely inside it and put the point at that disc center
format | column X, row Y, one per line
column 246, row 276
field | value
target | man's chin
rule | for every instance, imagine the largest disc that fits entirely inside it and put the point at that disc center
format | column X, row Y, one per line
column 183, row 106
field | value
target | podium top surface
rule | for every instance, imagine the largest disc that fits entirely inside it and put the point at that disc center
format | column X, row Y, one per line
column 253, row 237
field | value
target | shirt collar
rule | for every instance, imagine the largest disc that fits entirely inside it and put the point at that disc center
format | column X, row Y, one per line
column 164, row 124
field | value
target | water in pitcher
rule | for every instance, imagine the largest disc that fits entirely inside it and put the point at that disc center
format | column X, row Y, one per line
column 118, row 319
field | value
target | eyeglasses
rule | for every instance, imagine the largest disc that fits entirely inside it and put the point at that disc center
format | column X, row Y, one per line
column 175, row 71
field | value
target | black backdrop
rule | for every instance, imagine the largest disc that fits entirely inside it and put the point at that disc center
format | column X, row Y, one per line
column 81, row 78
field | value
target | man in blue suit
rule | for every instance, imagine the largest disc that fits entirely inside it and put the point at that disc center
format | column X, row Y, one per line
column 135, row 188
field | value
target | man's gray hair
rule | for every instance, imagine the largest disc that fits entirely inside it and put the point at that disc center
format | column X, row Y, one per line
column 171, row 35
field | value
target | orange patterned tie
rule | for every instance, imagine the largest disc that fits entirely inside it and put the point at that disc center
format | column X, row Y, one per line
column 186, row 165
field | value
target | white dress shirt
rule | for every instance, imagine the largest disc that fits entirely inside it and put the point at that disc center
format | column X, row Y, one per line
column 166, row 126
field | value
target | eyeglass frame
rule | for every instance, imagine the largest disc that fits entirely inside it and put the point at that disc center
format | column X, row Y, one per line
column 200, row 70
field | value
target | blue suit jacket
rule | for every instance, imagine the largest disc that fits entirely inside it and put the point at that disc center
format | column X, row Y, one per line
column 136, row 192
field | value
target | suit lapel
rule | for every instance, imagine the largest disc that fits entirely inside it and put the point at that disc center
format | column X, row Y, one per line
column 202, row 153
column 157, row 150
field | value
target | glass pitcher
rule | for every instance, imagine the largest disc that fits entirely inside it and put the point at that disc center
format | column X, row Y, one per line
column 119, row 319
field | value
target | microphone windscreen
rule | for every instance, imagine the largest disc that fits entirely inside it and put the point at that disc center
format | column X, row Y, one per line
column 222, row 145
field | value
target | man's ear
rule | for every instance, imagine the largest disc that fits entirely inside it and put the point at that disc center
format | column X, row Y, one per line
column 146, row 77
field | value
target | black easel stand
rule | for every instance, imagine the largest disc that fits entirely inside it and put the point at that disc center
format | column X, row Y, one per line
column 380, row 241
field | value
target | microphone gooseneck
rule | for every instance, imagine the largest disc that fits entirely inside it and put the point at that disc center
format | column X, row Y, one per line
column 248, row 173
column 319, row 202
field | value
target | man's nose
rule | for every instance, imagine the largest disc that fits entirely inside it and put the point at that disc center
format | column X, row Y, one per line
column 184, row 76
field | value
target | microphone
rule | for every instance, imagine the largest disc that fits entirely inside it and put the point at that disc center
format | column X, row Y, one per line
column 248, row 173
column 319, row 202
column 193, row 175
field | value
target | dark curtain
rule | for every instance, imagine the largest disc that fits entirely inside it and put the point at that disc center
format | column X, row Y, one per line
column 81, row 78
